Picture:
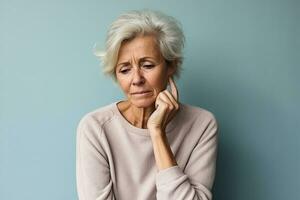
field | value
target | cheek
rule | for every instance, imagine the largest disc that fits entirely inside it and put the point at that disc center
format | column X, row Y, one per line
column 158, row 84
column 124, row 84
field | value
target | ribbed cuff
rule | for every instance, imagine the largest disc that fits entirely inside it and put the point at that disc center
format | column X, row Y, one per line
column 168, row 175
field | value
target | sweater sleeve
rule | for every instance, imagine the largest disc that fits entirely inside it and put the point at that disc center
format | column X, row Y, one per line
column 196, row 182
column 92, row 168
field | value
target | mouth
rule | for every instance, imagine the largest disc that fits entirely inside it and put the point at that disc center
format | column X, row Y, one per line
column 141, row 93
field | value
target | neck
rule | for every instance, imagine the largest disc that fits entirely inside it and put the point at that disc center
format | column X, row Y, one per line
column 136, row 116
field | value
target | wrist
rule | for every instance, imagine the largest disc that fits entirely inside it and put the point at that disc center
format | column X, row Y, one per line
column 156, row 129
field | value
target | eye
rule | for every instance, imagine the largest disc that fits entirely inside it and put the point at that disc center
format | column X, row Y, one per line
column 148, row 66
column 124, row 71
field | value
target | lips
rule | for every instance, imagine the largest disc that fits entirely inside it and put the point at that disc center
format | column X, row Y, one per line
column 140, row 92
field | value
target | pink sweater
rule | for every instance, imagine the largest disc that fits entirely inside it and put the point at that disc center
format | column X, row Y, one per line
column 115, row 160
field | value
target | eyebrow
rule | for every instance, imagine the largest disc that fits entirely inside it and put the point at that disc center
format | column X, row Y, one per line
column 140, row 60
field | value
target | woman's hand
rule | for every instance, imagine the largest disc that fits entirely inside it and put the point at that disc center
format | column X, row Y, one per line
column 166, row 105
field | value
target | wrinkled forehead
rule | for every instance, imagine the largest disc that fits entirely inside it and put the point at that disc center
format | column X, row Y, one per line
column 139, row 47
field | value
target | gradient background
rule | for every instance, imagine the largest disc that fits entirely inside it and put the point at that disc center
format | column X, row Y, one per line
column 241, row 63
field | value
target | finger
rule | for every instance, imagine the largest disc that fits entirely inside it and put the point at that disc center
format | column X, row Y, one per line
column 170, row 106
column 174, row 90
column 164, row 106
column 175, row 105
column 160, row 102
column 167, row 100
column 172, row 99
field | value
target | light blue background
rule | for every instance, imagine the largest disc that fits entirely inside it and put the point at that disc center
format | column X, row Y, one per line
column 241, row 63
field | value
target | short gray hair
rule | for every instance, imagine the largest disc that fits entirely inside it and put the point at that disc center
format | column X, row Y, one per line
column 166, row 29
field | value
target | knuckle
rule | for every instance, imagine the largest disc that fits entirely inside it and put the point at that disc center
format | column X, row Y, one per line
column 164, row 105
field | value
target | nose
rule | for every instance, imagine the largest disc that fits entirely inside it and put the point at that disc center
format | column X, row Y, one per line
column 138, row 78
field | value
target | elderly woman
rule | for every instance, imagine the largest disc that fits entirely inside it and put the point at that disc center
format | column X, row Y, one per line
column 149, row 145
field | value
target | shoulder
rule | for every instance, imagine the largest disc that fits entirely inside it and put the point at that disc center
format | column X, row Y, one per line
column 199, row 119
column 96, row 118
column 202, row 121
column 198, row 113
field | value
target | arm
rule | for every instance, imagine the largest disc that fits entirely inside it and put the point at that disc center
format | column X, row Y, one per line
column 197, row 180
column 162, row 151
column 92, row 169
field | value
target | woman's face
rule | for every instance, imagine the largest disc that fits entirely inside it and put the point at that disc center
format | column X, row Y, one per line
column 141, row 70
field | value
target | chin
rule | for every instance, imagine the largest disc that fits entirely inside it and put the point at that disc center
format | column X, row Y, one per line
column 142, row 103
